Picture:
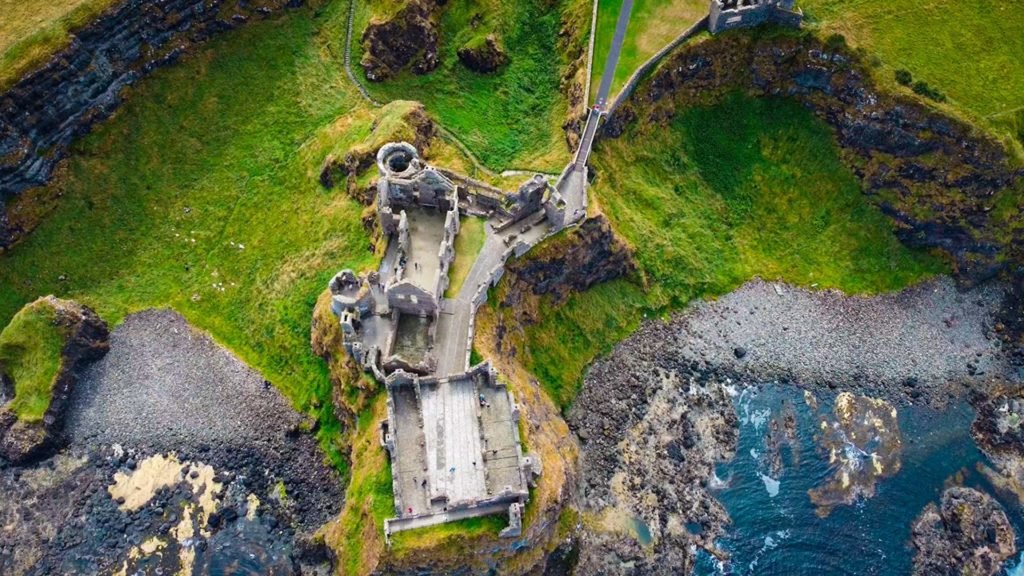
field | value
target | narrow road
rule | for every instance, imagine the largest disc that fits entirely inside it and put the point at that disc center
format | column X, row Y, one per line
column 613, row 55
column 594, row 117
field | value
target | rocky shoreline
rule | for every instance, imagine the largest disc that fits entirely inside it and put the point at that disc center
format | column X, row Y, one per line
column 670, row 384
column 180, row 455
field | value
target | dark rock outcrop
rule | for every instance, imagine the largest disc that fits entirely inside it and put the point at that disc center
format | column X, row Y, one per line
column 407, row 39
column 937, row 178
column 968, row 534
column 652, row 428
column 87, row 340
column 485, row 56
column 81, row 85
column 586, row 256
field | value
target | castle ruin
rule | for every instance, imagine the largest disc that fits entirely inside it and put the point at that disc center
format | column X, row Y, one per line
column 729, row 14
column 452, row 429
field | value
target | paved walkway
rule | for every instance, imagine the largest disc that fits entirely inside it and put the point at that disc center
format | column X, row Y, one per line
column 453, row 333
column 613, row 54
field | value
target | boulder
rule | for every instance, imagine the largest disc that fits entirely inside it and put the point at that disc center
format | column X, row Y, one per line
column 483, row 55
column 967, row 534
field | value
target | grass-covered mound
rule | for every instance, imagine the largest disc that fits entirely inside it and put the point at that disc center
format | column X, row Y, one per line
column 43, row 349
column 30, row 357
column 652, row 25
column 725, row 192
column 468, row 243
column 510, row 118
column 967, row 50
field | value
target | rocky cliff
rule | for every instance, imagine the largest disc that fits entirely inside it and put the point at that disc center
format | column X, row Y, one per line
column 581, row 258
column 81, row 85
column 944, row 185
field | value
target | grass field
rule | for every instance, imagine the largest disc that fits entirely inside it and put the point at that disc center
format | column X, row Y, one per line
column 197, row 196
column 970, row 50
column 652, row 25
column 467, row 246
column 510, row 119
column 746, row 187
column 30, row 350
column 31, row 30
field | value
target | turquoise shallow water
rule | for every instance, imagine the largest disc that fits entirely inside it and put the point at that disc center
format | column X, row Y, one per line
column 775, row 529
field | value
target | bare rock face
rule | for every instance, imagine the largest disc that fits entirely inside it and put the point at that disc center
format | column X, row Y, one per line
column 87, row 341
column 967, row 534
column 589, row 255
column 998, row 430
column 485, row 56
column 408, row 39
column 81, row 85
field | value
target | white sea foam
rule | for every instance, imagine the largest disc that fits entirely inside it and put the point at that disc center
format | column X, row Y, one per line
column 760, row 417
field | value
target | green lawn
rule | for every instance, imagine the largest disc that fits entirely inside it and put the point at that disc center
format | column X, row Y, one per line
column 30, row 349
column 652, row 25
column 746, row 187
column 467, row 246
column 510, row 119
column 198, row 196
column 970, row 50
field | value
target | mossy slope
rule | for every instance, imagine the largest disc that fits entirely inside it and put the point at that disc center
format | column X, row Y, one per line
column 30, row 356
column 725, row 192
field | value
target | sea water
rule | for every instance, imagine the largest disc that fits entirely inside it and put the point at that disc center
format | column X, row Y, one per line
column 775, row 529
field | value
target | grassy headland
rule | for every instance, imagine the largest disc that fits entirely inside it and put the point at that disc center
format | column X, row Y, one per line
column 510, row 119
column 196, row 196
column 968, row 50
column 739, row 189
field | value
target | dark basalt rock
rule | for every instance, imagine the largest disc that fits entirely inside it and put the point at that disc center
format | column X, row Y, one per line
column 408, row 39
column 484, row 57
column 968, row 534
column 81, row 85
column 591, row 254
column 88, row 340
